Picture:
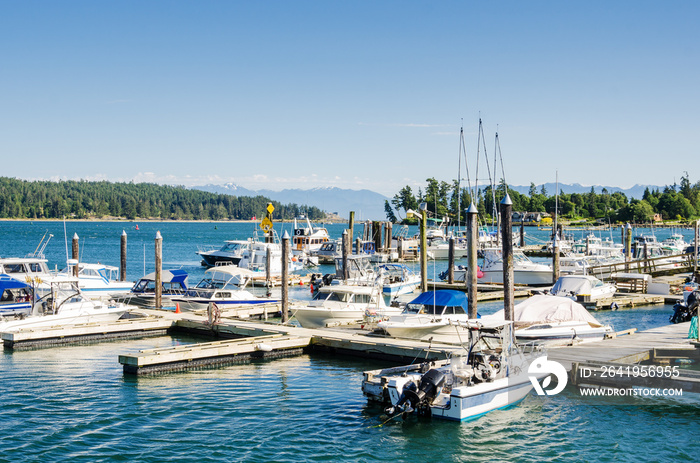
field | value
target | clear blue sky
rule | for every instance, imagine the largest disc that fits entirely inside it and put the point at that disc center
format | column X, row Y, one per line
column 356, row 94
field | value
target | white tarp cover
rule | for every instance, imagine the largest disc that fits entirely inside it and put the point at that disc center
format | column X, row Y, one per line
column 546, row 308
column 574, row 284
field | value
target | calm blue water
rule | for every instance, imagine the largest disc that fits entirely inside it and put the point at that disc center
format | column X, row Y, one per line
column 74, row 404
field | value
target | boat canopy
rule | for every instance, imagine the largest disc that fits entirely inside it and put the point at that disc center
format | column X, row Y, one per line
column 169, row 276
column 575, row 284
column 546, row 308
column 7, row 282
column 444, row 297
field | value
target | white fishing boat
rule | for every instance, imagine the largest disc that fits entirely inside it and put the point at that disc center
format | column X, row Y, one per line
column 582, row 287
column 230, row 253
column 493, row 375
column 98, row 280
column 143, row 293
column 34, row 270
column 433, row 315
column 328, row 252
column 218, row 287
column 525, row 271
column 439, row 249
column 255, row 259
column 15, row 297
column 343, row 304
column 360, row 270
column 397, row 279
column 65, row 304
column 308, row 239
column 553, row 320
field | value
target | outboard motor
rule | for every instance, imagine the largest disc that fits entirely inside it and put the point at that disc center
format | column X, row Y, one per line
column 328, row 278
column 430, row 385
column 685, row 312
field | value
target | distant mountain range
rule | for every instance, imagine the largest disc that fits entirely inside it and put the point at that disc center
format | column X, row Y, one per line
column 366, row 204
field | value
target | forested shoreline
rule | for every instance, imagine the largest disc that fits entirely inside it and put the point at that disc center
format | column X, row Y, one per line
column 81, row 199
column 679, row 203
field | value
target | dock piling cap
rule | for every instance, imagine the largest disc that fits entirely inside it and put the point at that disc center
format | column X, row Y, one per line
column 472, row 209
column 507, row 201
column 158, row 235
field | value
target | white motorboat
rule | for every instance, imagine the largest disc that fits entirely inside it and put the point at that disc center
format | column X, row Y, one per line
column 554, row 320
column 143, row 293
column 439, row 249
column 397, row 279
column 218, row 287
column 308, row 239
column 98, row 280
column 33, row 270
column 525, row 271
column 328, row 252
column 438, row 315
column 360, row 270
column 493, row 375
column 255, row 259
column 15, row 297
column 342, row 304
column 67, row 305
column 230, row 253
column 582, row 287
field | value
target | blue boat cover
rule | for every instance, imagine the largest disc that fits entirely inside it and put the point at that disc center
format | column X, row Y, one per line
column 443, row 297
column 7, row 282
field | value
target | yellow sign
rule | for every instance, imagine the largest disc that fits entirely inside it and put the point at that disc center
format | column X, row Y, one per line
column 266, row 224
column 270, row 208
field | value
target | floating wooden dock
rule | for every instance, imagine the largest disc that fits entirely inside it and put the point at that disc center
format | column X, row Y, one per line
column 32, row 338
column 217, row 353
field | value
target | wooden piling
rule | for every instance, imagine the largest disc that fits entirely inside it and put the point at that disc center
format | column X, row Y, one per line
column 377, row 235
column 451, row 261
column 345, row 251
column 507, row 239
column 351, row 228
column 159, row 271
column 628, row 247
column 268, row 265
column 285, row 277
column 76, row 254
column 122, row 258
column 472, row 244
column 522, row 233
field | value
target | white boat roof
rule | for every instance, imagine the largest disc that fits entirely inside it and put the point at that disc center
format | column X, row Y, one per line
column 17, row 260
column 229, row 271
column 355, row 289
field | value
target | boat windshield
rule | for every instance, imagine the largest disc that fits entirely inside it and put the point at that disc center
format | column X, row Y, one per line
column 331, row 296
column 208, row 283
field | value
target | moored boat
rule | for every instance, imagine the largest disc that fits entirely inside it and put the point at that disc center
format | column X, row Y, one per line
column 143, row 293
column 65, row 304
column 493, row 375
column 433, row 315
column 218, row 287
column 342, row 304
column 553, row 320
column 15, row 297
